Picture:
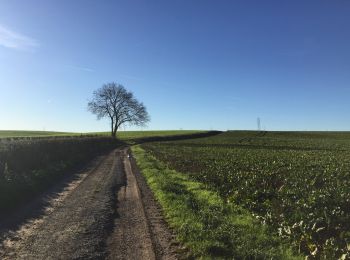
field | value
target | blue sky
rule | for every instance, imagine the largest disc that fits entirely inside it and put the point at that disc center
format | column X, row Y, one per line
column 195, row 64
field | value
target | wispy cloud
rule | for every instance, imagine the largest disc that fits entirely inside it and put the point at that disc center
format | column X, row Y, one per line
column 14, row 40
column 82, row 68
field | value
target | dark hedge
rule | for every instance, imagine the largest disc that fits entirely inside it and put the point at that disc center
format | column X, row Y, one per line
column 29, row 166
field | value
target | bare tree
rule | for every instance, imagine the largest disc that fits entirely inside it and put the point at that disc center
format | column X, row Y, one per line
column 112, row 100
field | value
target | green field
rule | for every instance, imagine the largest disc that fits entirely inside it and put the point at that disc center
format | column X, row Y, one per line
column 19, row 133
column 207, row 226
column 237, row 194
column 124, row 135
column 297, row 184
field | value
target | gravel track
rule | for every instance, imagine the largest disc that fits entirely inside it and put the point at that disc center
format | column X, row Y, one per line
column 106, row 212
column 140, row 231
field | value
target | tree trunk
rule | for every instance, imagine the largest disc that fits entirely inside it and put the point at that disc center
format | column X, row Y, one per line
column 114, row 131
column 112, row 128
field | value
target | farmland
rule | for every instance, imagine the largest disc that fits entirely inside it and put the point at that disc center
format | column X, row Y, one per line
column 124, row 135
column 296, row 184
column 31, row 161
column 19, row 133
column 236, row 194
column 67, row 185
column 131, row 135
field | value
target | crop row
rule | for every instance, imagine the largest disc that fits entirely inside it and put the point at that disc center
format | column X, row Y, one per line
column 299, row 187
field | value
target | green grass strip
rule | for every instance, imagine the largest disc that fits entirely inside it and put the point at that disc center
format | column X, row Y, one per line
column 203, row 222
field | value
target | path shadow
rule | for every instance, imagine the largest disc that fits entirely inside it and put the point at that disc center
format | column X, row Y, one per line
column 34, row 208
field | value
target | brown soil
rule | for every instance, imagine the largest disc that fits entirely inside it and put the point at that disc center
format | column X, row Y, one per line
column 140, row 231
column 104, row 211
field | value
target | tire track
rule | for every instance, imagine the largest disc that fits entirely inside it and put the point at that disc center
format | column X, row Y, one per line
column 131, row 238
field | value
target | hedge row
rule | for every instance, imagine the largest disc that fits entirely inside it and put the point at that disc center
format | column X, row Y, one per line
column 29, row 166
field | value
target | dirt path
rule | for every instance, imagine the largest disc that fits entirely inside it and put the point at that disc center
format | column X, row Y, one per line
column 140, row 231
column 106, row 211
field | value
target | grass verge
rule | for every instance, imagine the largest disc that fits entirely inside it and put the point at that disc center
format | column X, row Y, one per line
column 203, row 222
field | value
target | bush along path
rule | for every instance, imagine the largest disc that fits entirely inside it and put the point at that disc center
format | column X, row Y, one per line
column 29, row 167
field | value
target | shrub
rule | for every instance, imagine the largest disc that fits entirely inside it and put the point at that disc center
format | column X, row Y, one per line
column 28, row 166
